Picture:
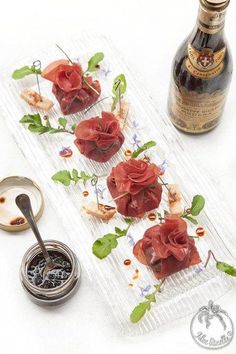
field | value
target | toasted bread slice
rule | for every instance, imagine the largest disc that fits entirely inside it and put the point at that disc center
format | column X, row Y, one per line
column 36, row 100
column 174, row 199
column 104, row 212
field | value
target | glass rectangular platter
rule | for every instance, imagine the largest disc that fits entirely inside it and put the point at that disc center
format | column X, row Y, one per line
column 184, row 292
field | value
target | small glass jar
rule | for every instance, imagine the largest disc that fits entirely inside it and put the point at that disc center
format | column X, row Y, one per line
column 59, row 294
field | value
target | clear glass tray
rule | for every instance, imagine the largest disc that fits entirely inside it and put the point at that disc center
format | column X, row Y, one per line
column 185, row 291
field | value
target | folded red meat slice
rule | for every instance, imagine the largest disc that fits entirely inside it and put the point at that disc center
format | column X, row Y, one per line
column 99, row 138
column 73, row 91
column 166, row 248
column 134, row 187
column 77, row 100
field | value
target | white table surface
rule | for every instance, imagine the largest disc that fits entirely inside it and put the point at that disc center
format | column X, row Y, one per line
column 147, row 32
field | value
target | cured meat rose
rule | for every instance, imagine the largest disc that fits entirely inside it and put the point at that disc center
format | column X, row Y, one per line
column 166, row 248
column 135, row 182
column 73, row 92
column 99, row 138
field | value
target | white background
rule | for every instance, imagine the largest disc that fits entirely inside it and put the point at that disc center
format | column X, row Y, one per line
column 147, row 32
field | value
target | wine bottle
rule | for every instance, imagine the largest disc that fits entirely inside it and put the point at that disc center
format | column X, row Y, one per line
column 201, row 72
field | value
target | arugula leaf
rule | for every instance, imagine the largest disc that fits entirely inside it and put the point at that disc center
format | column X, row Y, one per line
column 75, row 175
column 143, row 148
column 226, row 268
column 140, row 310
column 119, row 84
column 62, row 122
column 84, row 177
column 63, row 177
column 94, row 61
column 25, row 71
column 198, row 204
column 38, row 129
column 103, row 246
column 118, row 89
column 36, row 125
column 31, row 118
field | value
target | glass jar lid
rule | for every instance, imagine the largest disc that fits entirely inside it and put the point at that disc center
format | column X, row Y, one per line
column 11, row 219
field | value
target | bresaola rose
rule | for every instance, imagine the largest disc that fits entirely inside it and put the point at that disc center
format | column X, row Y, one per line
column 99, row 138
column 134, row 187
column 166, row 248
column 73, row 92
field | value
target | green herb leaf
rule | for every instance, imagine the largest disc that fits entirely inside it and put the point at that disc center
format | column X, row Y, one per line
column 84, row 177
column 25, row 71
column 139, row 311
column 151, row 297
column 36, row 125
column 120, row 232
column 62, row 122
column 143, row 148
column 198, row 204
column 226, row 268
column 63, row 177
column 119, row 85
column 75, row 175
column 38, row 129
column 103, row 246
column 31, row 118
column 118, row 89
column 94, row 61
column 191, row 219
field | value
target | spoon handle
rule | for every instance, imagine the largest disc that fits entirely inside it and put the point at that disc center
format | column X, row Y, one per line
column 24, row 204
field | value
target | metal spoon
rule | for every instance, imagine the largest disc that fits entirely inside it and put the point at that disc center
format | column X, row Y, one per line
column 24, row 204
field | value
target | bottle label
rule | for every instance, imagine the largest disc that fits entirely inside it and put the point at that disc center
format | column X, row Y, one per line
column 211, row 21
column 195, row 112
column 205, row 64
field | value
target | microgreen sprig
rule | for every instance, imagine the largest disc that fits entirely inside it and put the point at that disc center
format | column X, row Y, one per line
column 140, row 310
column 104, row 245
column 118, row 90
column 93, row 63
column 197, row 206
column 25, row 71
column 65, row 177
column 36, row 125
column 144, row 147
column 221, row 266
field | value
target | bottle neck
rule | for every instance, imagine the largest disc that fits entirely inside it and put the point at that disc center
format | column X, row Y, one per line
column 211, row 21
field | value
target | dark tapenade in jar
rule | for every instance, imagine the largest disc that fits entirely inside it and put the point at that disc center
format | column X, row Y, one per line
column 60, row 283
column 54, row 277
